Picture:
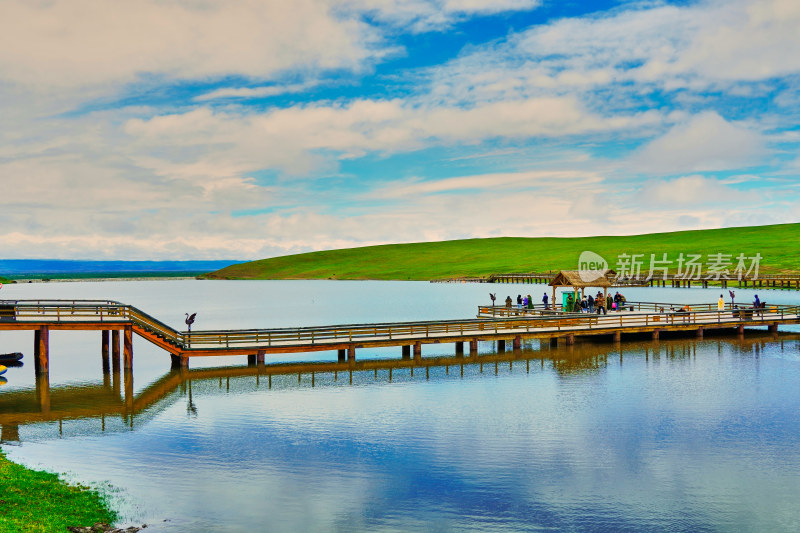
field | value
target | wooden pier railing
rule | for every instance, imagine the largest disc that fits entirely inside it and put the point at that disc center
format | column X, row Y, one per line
column 492, row 323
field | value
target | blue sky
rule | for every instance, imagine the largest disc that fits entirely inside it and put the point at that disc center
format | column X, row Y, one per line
column 192, row 129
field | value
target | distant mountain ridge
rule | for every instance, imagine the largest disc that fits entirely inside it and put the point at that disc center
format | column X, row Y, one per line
column 29, row 267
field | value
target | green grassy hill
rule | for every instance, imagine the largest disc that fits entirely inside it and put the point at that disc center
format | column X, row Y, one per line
column 779, row 246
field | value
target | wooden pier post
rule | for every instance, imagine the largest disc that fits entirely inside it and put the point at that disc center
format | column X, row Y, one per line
column 473, row 348
column 341, row 355
column 517, row 342
column 115, row 350
column 570, row 339
column 251, row 359
column 406, row 351
column 501, row 345
column 104, row 350
column 656, row 334
column 417, row 351
column 617, row 336
column 740, row 330
column 127, row 349
column 553, row 341
column 459, row 348
column 699, row 333
column 773, row 328
column 179, row 361
column 41, row 350
column 351, row 353
column 261, row 357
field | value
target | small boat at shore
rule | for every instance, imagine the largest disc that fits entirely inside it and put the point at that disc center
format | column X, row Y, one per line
column 10, row 357
column 2, row 370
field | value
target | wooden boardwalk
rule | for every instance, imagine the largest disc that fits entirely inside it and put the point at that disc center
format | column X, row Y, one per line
column 767, row 281
column 505, row 325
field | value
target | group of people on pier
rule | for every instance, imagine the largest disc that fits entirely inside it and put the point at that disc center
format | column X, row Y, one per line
column 596, row 304
column 588, row 304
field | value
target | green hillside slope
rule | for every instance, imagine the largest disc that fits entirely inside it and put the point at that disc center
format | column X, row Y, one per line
column 779, row 246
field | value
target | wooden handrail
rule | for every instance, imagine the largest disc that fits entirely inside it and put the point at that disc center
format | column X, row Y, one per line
column 649, row 313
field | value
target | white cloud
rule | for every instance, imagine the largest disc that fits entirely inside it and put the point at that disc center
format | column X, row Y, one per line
column 428, row 15
column 74, row 43
column 205, row 142
column 705, row 142
column 533, row 180
column 632, row 52
column 254, row 92
column 690, row 191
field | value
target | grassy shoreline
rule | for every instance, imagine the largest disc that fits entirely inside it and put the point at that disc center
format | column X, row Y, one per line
column 777, row 245
column 37, row 501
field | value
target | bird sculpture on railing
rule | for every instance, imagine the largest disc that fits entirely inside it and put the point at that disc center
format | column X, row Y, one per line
column 190, row 320
column 731, row 293
column 493, row 297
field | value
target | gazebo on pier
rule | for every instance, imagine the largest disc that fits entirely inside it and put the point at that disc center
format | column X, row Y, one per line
column 581, row 279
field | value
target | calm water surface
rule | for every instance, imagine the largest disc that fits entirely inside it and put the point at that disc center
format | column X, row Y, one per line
column 677, row 435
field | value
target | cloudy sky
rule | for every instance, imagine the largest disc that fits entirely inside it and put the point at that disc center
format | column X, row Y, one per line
column 195, row 129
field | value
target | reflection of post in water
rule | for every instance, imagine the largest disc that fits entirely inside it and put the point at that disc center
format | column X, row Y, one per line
column 129, row 391
column 9, row 433
column 46, row 403
column 191, row 408
column 43, row 392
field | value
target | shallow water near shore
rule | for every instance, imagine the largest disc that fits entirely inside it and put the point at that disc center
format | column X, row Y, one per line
column 679, row 434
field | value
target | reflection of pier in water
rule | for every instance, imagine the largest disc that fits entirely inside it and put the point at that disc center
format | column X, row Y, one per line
column 114, row 405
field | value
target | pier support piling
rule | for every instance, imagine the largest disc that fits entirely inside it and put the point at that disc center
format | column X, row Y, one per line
column 115, row 349
column 501, row 346
column 656, row 334
column 104, row 350
column 773, row 328
column 554, row 341
column 342, row 355
column 473, row 348
column 517, row 342
column 41, row 350
column 740, row 330
column 699, row 333
column 406, row 350
column 127, row 350
column 351, row 353
column 570, row 339
column 459, row 348
column 179, row 361
column 617, row 336
column 417, row 351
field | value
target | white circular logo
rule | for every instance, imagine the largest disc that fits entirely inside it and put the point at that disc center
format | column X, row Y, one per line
column 591, row 266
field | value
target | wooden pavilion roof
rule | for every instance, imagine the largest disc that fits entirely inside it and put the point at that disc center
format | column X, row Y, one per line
column 577, row 278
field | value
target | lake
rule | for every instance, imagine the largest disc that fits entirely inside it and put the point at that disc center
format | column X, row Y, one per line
column 678, row 434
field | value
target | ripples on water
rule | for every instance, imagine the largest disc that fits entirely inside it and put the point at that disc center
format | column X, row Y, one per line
column 677, row 435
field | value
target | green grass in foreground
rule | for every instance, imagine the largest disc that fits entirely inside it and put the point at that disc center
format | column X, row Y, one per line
column 36, row 501
column 779, row 246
